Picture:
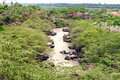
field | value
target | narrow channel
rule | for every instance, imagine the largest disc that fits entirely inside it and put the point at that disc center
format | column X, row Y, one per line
column 60, row 45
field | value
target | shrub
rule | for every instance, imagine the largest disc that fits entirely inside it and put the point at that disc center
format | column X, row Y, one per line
column 35, row 23
column 98, row 44
column 61, row 23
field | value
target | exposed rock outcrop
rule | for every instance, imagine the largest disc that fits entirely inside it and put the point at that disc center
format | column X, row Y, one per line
column 66, row 38
column 42, row 57
column 67, row 58
column 71, row 47
column 74, row 56
column 50, row 43
column 73, row 13
column 66, row 29
column 50, row 33
column 64, row 52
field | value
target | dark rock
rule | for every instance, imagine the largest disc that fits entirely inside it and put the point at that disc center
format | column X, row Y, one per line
column 66, row 38
column 52, row 64
column 74, row 52
column 71, row 47
column 52, row 46
column 67, row 58
column 74, row 57
column 42, row 57
column 52, row 33
column 66, row 29
column 68, row 52
column 51, row 43
column 63, row 52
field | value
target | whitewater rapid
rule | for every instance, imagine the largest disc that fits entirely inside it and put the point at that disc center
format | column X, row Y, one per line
column 60, row 45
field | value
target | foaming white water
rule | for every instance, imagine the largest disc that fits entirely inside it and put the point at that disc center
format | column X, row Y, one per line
column 56, row 56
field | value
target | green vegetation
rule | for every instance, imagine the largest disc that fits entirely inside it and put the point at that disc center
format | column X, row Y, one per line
column 100, row 46
column 3, row 8
column 15, row 13
column 64, row 11
column 61, row 22
column 19, row 47
column 23, row 37
column 35, row 22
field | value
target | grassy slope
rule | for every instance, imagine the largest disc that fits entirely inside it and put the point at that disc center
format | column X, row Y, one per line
column 19, row 47
column 101, row 47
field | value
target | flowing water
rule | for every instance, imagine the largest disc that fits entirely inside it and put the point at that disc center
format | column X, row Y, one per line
column 60, row 45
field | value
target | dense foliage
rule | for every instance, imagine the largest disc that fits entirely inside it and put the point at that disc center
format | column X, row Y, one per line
column 19, row 47
column 61, row 22
column 15, row 13
column 64, row 11
column 99, row 45
column 22, row 38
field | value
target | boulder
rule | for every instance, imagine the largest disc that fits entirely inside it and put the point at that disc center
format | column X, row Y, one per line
column 74, row 57
column 63, row 52
column 71, row 47
column 68, row 52
column 42, row 57
column 66, row 38
column 51, row 44
column 67, row 58
column 71, row 57
column 66, row 29
column 74, row 52
column 52, row 33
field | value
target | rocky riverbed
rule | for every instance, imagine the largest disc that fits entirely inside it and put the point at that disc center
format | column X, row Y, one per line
column 61, row 45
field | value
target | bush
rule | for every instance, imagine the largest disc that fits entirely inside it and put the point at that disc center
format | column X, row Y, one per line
column 98, row 44
column 61, row 23
column 35, row 22
column 19, row 46
column 2, row 28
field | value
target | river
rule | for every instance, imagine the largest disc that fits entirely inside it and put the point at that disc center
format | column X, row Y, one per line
column 60, row 45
